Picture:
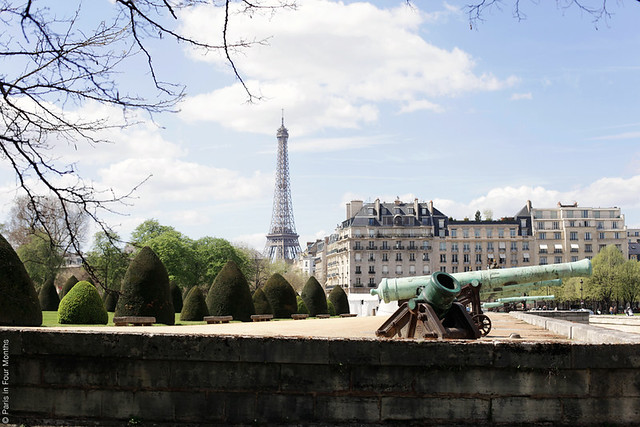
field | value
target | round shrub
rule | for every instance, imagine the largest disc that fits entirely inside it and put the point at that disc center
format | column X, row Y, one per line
column 176, row 296
column 68, row 284
column 110, row 299
column 302, row 308
column 195, row 306
column 82, row 306
column 314, row 297
column 330, row 308
column 48, row 296
column 145, row 289
column 261, row 303
column 339, row 300
column 229, row 294
column 281, row 297
column 19, row 305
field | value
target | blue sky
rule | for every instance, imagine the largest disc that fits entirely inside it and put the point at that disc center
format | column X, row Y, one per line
column 382, row 100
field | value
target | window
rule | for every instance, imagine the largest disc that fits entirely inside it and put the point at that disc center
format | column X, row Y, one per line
column 600, row 225
column 385, row 269
column 372, row 282
column 385, row 257
column 557, row 249
column 489, row 233
column 574, row 247
column 500, row 233
column 478, row 258
column 478, row 247
column 443, row 268
column 412, row 256
column 502, row 246
column 412, row 269
column 540, row 225
column 358, row 271
column 425, row 245
column 465, row 233
column 573, row 235
column 523, row 223
column 399, row 245
column 397, row 211
column 555, row 225
column 543, row 260
column 466, row 247
column 601, row 235
column 525, row 257
column 557, row 260
column 412, row 211
column 587, row 236
column 372, row 221
column 425, row 256
column 358, row 246
column 616, row 235
column 425, row 269
column 372, row 269
column 385, row 245
column 514, row 246
column 372, row 233
column 585, row 214
column 596, row 214
column 398, row 269
column 371, row 245
column 372, row 257
column 399, row 256
column 489, row 246
column 512, row 232
column 443, row 257
column 412, row 245
column 525, row 246
column 476, row 233
column 371, row 211
column 588, row 248
column 614, row 224
column 574, row 258
column 569, row 214
column 443, row 246
column 454, row 258
column 543, row 249
column 542, row 236
column 454, row 247
column 358, row 282
column 453, row 232
column 557, row 236
column 466, row 258
column 572, row 223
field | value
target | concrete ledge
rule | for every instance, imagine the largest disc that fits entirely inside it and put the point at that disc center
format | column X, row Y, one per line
column 578, row 331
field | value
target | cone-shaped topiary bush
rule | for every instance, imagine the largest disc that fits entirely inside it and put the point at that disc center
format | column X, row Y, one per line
column 229, row 294
column 330, row 308
column 261, row 303
column 110, row 299
column 339, row 300
column 82, row 305
column 176, row 297
column 145, row 289
column 195, row 306
column 281, row 297
column 314, row 298
column 48, row 296
column 71, row 281
column 302, row 308
column 19, row 305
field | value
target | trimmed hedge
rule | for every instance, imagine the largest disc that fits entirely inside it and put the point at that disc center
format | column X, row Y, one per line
column 82, row 306
column 229, row 294
column 48, row 296
column 330, row 308
column 176, row 296
column 302, row 308
column 145, row 289
column 261, row 303
column 195, row 306
column 314, row 297
column 68, row 284
column 110, row 299
column 19, row 304
column 339, row 300
column 281, row 297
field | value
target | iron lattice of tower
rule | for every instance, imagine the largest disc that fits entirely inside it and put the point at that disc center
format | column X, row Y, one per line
column 282, row 240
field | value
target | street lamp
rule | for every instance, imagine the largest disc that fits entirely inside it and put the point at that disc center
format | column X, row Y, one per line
column 581, row 300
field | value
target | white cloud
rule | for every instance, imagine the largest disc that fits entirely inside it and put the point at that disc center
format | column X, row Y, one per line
column 317, row 145
column 332, row 63
column 623, row 135
column 520, row 96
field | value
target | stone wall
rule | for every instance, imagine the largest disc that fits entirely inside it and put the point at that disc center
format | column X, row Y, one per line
column 110, row 378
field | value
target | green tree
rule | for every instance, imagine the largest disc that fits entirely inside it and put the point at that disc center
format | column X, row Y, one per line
column 629, row 281
column 339, row 300
column 48, row 296
column 41, row 257
column 195, row 306
column 605, row 282
column 261, row 303
column 314, row 297
column 212, row 254
column 148, row 230
column 281, row 296
column 108, row 261
column 478, row 216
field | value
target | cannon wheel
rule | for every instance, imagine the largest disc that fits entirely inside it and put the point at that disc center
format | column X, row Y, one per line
column 483, row 323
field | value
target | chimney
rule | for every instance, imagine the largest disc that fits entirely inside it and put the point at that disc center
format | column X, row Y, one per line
column 353, row 207
column 416, row 208
column 431, row 207
column 377, row 206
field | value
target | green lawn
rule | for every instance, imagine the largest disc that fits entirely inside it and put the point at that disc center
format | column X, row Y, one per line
column 50, row 318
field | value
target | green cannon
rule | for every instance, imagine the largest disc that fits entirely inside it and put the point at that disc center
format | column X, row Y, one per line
column 438, row 301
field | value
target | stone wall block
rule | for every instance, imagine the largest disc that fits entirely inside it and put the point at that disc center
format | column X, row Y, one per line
column 314, row 378
column 313, row 351
column 285, row 409
column 348, row 409
column 527, row 409
column 532, row 355
column 432, row 410
column 217, row 376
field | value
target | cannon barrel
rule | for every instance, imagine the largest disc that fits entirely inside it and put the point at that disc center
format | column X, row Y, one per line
column 421, row 287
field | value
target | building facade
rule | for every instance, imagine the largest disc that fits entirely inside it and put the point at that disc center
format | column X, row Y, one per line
column 399, row 239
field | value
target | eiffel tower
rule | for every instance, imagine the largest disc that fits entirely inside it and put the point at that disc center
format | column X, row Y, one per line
column 282, row 239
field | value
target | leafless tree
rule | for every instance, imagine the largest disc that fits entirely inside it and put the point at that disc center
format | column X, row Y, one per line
column 599, row 10
column 55, row 56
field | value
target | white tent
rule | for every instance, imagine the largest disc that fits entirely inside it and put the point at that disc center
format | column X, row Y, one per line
column 363, row 304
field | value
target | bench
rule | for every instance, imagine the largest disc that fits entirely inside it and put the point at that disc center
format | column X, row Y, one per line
column 348, row 315
column 299, row 316
column 217, row 319
column 323, row 316
column 134, row 321
column 261, row 317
